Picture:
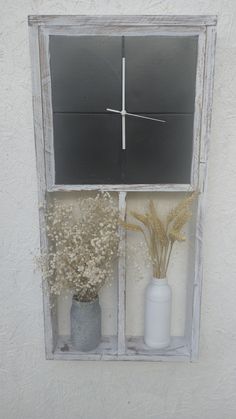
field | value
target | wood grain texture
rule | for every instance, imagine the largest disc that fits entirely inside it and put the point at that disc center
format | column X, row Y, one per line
column 139, row 20
column 198, row 110
column 117, row 30
column 121, row 318
column 47, row 108
column 124, row 188
column 205, row 139
column 50, row 320
column 195, row 169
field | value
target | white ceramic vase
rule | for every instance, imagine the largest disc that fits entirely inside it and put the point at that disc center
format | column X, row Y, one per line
column 157, row 313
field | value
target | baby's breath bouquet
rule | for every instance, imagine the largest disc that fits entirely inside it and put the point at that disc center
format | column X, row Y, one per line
column 83, row 242
column 160, row 235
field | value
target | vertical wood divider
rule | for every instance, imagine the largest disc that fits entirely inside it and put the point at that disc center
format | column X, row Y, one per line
column 121, row 277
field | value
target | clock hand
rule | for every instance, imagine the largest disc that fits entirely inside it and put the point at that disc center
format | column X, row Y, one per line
column 123, row 104
column 123, row 83
column 123, row 113
column 144, row 117
column 113, row 110
column 123, row 132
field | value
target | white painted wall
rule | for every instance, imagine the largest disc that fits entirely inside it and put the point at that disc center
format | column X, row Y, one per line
column 32, row 388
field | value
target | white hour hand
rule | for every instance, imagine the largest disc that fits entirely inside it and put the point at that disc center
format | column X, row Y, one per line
column 113, row 110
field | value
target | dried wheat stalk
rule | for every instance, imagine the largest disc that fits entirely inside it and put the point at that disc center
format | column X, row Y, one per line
column 159, row 235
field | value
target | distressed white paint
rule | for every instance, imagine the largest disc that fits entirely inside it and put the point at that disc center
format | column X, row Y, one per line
column 33, row 387
column 50, row 321
column 121, row 277
column 202, row 119
column 125, row 188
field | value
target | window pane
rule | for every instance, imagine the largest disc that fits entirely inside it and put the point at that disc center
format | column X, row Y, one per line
column 159, row 153
column 87, row 148
column 160, row 74
column 86, row 73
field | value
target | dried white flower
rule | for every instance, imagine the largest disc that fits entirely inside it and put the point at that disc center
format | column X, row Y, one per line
column 81, row 249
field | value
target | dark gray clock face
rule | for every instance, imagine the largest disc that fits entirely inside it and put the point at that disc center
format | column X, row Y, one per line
column 86, row 75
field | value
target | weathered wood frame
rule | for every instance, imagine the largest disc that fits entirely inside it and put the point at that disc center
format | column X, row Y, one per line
column 124, row 348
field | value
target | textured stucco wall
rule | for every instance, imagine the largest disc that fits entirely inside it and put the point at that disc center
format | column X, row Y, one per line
column 32, row 388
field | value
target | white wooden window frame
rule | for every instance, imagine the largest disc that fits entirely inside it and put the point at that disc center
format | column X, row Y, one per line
column 125, row 348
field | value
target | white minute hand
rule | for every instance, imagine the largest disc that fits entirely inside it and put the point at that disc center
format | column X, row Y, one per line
column 144, row 117
column 134, row 115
